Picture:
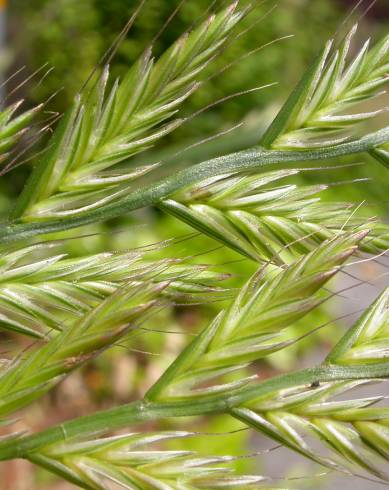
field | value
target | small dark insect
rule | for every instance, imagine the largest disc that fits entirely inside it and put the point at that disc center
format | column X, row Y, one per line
column 315, row 384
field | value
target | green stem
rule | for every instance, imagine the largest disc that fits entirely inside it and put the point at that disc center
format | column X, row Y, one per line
column 143, row 411
column 252, row 159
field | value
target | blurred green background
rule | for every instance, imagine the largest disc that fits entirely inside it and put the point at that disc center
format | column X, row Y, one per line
column 71, row 36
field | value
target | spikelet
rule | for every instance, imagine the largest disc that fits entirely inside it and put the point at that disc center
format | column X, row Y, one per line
column 265, row 218
column 41, row 367
column 42, row 292
column 320, row 112
column 106, row 127
column 251, row 328
column 132, row 462
column 356, row 430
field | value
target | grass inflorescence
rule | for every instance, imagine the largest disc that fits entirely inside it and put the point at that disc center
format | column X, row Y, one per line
column 255, row 202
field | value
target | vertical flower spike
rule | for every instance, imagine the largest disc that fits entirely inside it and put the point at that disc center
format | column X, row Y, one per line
column 265, row 218
column 106, row 126
column 251, row 327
